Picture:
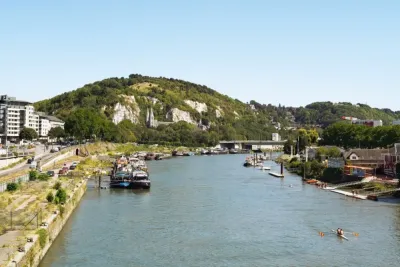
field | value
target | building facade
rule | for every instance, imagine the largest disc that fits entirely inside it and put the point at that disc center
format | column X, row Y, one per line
column 17, row 114
column 370, row 123
column 276, row 137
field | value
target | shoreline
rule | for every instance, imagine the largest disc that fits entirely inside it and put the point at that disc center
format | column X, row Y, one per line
column 36, row 250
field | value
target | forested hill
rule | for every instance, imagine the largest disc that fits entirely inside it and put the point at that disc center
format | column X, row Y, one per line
column 117, row 108
column 325, row 113
column 119, row 100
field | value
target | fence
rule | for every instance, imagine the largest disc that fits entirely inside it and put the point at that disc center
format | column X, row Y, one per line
column 20, row 179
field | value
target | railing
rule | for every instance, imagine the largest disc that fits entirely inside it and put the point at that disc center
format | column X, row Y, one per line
column 347, row 184
column 385, row 192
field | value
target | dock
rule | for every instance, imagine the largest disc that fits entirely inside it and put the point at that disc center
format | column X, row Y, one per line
column 278, row 175
column 348, row 194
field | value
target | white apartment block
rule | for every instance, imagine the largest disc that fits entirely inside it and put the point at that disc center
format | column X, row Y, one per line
column 276, row 137
column 16, row 114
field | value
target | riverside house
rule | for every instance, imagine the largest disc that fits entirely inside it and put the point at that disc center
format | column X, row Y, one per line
column 366, row 157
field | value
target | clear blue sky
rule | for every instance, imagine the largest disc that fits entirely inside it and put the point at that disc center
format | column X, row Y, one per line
column 288, row 52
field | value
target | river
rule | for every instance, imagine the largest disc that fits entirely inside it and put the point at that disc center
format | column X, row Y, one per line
column 211, row 211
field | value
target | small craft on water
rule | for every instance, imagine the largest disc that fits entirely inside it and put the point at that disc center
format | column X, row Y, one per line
column 339, row 232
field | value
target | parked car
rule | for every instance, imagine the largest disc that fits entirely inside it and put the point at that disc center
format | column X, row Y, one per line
column 62, row 171
column 72, row 167
column 53, row 150
column 51, row 173
column 30, row 161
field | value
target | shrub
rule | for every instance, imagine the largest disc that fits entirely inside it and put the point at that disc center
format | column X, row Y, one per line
column 11, row 187
column 57, row 186
column 50, row 197
column 62, row 195
column 62, row 210
column 33, row 175
column 43, row 177
column 57, row 200
column 42, row 237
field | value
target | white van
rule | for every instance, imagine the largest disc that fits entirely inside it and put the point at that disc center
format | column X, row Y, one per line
column 33, row 165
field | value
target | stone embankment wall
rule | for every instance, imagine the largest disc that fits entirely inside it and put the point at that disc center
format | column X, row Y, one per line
column 35, row 253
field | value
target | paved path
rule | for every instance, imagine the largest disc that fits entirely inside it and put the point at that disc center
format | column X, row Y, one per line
column 8, row 244
column 348, row 194
column 26, row 203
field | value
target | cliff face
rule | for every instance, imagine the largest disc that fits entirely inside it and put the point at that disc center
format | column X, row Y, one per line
column 129, row 110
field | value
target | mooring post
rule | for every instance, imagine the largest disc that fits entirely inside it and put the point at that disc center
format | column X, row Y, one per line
column 281, row 167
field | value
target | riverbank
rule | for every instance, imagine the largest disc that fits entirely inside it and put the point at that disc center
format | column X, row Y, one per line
column 32, row 244
column 34, row 212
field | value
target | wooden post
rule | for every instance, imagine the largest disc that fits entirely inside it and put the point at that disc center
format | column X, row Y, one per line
column 100, row 180
column 281, row 167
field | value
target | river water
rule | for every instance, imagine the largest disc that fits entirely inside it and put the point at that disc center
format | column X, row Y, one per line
column 211, row 211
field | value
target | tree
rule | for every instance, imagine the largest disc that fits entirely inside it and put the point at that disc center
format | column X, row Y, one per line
column 28, row 134
column 287, row 147
column 61, row 195
column 313, row 136
column 57, row 185
column 50, row 197
column 11, row 187
column 56, row 133
column 33, row 175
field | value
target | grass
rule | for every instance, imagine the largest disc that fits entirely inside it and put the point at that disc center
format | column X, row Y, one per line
column 13, row 164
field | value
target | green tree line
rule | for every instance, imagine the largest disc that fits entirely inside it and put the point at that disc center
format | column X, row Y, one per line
column 348, row 135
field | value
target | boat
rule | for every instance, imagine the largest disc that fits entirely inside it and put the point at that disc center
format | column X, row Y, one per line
column 265, row 168
column 233, row 151
column 340, row 236
column 132, row 180
column 176, row 153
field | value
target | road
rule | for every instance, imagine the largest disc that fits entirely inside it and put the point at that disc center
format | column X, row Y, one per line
column 40, row 154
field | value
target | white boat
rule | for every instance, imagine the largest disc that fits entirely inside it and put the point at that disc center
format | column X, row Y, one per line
column 266, row 168
column 341, row 236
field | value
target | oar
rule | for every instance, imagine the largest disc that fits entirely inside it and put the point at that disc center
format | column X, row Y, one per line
column 353, row 233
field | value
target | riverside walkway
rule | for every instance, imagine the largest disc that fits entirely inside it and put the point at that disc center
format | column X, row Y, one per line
column 363, row 181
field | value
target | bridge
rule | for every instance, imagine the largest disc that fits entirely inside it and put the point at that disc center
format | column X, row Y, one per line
column 252, row 144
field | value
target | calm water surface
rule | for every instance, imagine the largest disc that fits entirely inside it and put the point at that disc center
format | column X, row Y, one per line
column 211, row 211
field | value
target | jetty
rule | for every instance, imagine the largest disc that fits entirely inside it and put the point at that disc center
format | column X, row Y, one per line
column 275, row 174
column 278, row 175
column 349, row 194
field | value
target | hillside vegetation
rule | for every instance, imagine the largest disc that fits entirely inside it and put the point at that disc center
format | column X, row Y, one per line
column 115, row 109
column 96, row 109
column 325, row 113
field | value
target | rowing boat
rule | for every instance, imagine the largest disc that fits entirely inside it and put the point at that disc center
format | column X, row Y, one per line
column 341, row 236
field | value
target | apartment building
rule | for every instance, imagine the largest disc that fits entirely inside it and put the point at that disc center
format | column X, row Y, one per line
column 46, row 122
column 17, row 114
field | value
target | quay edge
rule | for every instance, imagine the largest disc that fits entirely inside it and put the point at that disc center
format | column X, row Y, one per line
column 34, row 253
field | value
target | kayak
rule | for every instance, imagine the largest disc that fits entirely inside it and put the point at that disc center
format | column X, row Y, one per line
column 341, row 236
